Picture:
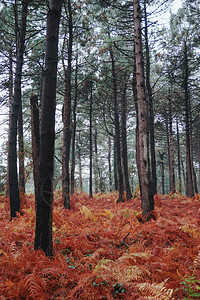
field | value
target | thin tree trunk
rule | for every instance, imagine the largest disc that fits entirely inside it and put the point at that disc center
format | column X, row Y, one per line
column 183, row 174
column 21, row 153
column 150, row 110
column 10, row 106
column 74, row 129
column 171, row 150
column 168, row 144
column 35, row 133
column 179, row 157
column 117, row 131
column 124, row 140
column 91, row 148
column 194, row 177
column 44, row 195
column 136, row 109
column 189, row 181
column 67, row 116
column 12, row 154
column 198, row 147
column 115, row 166
column 109, row 164
column 162, row 172
column 96, row 165
column 79, row 162
column 145, row 190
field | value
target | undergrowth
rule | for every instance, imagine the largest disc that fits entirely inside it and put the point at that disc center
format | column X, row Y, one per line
column 103, row 251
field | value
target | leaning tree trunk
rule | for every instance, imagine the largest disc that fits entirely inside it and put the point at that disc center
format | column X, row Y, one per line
column 124, row 140
column 67, row 117
column 12, row 154
column 117, row 131
column 145, row 190
column 44, row 195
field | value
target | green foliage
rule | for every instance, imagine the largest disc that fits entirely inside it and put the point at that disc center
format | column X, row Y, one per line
column 191, row 286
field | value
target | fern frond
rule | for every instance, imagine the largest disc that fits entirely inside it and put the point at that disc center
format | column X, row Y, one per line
column 155, row 291
column 34, row 287
column 197, row 261
column 88, row 213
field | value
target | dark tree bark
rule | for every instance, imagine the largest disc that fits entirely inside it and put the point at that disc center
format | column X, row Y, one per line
column 189, row 181
column 194, row 177
column 91, row 146
column 179, row 158
column 21, row 153
column 145, row 190
column 171, row 152
column 109, row 164
column 35, row 133
column 168, row 142
column 115, row 166
column 79, row 162
column 198, row 149
column 124, row 140
column 162, row 168
column 74, row 130
column 12, row 154
column 117, row 131
column 96, row 165
column 10, row 83
column 44, row 195
column 67, row 115
column 150, row 110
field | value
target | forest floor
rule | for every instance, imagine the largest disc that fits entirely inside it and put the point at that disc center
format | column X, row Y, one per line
column 103, row 251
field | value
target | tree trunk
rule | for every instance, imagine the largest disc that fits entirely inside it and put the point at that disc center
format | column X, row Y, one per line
column 35, row 133
column 91, row 148
column 117, row 131
column 109, row 164
column 171, row 152
column 21, row 153
column 10, row 106
column 198, row 151
column 194, row 177
column 96, row 165
column 189, row 181
column 79, row 162
column 179, row 158
column 162, row 172
column 74, row 130
column 44, row 195
column 145, row 190
column 12, row 154
column 67, row 116
column 115, row 165
column 150, row 110
column 124, row 140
